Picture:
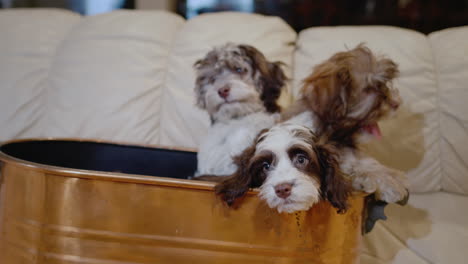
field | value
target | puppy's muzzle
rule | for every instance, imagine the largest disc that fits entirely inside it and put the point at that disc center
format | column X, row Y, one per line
column 283, row 190
column 223, row 92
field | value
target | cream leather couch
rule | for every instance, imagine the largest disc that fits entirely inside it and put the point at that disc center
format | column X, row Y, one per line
column 127, row 76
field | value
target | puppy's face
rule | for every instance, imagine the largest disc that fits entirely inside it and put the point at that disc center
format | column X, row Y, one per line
column 292, row 170
column 286, row 159
column 234, row 80
column 353, row 89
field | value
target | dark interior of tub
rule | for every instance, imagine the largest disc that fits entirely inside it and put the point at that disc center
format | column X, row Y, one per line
column 106, row 157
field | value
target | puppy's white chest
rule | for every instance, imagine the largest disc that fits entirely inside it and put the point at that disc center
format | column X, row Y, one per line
column 227, row 136
column 226, row 140
column 237, row 137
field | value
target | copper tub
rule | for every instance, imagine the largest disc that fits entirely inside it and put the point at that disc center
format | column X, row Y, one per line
column 66, row 201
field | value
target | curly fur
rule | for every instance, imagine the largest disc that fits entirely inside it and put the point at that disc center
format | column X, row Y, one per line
column 343, row 99
column 239, row 89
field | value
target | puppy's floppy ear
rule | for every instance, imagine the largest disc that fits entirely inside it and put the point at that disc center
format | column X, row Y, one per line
column 335, row 187
column 272, row 84
column 327, row 90
column 205, row 70
column 268, row 76
column 199, row 82
column 236, row 185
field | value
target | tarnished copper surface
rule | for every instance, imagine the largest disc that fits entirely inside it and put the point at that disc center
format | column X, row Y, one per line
column 51, row 215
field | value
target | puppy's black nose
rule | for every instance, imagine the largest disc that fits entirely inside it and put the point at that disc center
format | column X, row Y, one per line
column 224, row 91
column 283, row 190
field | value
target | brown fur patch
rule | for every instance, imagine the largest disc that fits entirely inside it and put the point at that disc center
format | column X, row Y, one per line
column 335, row 186
column 272, row 77
column 236, row 185
column 338, row 86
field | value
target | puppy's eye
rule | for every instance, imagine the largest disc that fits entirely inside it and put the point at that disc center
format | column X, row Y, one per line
column 301, row 160
column 239, row 70
column 266, row 166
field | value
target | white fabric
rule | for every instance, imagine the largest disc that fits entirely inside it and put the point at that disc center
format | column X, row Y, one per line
column 109, row 75
column 28, row 44
column 450, row 48
column 410, row 140
column 432, row 228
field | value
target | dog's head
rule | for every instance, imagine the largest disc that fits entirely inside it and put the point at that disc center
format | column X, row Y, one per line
column 292, row 169
column 235, row 80
column 352, row 91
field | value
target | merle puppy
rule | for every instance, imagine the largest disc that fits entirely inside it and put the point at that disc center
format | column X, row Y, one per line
column 239, row 89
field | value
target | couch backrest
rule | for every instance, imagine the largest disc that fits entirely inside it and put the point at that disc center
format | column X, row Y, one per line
column 127, row 76
column 29, row 42
column 124, row 76
column 450, row 54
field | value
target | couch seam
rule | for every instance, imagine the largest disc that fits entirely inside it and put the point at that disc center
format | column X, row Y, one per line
column 438, row 109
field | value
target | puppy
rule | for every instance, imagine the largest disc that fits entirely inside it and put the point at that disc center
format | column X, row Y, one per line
column 238, row 88
column 293, row 169
column 342, row 100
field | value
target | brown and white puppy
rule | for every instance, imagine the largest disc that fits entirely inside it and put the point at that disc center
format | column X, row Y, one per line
column 292, row 168
column 343, row 99
column 239, row 89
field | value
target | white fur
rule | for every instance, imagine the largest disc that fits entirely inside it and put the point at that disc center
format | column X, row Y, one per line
column 306, row 118
column 363, row 106
column 225, row 140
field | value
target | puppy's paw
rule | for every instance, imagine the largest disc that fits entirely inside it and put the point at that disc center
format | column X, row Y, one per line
column 392, row 186
column 405, row 199
column 364, row 183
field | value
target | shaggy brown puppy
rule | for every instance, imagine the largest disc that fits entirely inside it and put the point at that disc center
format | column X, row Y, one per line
column 343, row 99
